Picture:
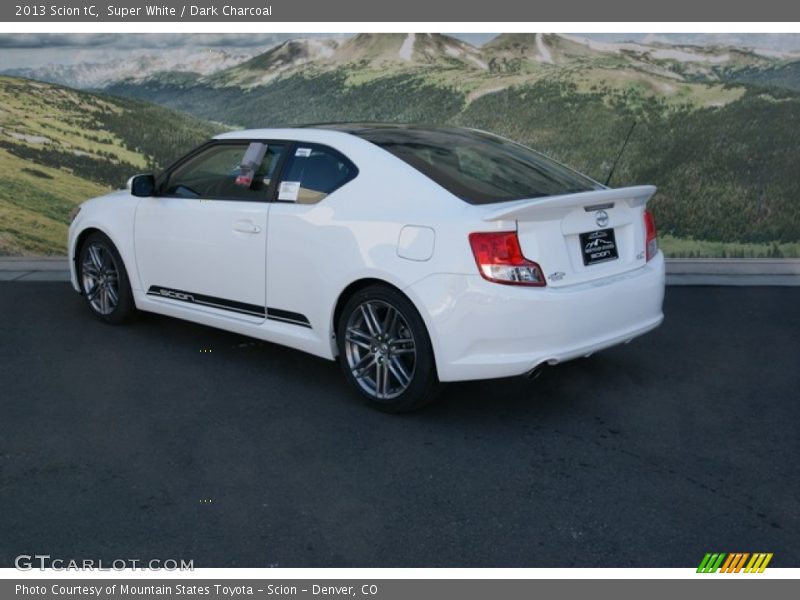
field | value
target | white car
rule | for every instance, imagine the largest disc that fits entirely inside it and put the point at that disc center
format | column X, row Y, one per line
column 414, row 255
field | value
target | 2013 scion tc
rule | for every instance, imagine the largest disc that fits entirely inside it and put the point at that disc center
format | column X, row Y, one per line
column 412, row 255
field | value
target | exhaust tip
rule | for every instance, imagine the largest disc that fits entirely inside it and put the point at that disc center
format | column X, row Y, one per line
column 536, row 372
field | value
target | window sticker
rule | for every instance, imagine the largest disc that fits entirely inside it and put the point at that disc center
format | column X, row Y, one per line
column 289, row 190
column 303, row 152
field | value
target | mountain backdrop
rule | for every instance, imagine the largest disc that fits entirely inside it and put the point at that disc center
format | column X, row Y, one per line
column 717, row 128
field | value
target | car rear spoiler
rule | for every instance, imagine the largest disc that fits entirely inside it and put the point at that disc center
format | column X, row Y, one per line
column 550, row 207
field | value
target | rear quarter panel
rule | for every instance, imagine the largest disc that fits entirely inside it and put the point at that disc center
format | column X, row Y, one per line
column 314, row 252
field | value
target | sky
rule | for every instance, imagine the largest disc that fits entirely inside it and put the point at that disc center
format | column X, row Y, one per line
column 34, row 50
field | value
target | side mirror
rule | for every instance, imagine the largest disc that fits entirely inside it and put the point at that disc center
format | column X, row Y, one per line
column 142, row 186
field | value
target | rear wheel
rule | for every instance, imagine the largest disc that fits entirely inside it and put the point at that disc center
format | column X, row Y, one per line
column 104, row 280
column 385, row 351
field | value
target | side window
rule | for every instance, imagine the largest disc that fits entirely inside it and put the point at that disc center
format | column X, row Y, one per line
column 240, row 171
column 312, row 173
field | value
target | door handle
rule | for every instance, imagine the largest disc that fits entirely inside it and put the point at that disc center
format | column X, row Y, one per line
column 246, row 227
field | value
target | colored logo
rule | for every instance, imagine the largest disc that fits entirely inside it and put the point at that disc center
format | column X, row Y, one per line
column 735, row 562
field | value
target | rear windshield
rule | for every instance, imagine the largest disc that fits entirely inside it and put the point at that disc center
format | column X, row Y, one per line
column 477, row 167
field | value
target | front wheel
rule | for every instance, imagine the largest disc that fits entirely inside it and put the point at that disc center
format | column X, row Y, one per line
column 385, row 351
column 104, row 280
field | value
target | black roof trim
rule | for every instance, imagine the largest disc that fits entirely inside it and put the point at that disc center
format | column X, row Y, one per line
column 360, row 126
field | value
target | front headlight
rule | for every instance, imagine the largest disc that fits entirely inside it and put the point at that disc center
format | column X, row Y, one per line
column 74, row 213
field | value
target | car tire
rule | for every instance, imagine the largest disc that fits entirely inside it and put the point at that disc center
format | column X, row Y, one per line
column 385, row 351
column 104, row 281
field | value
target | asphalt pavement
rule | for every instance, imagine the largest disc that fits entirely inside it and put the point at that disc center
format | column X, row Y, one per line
column 164, row 439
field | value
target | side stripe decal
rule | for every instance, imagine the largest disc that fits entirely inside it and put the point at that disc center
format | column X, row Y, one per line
column 273, row 314
column 287, row 316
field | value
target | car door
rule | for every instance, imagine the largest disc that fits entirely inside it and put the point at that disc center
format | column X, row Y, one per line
column 301, row 240
column 201, row 241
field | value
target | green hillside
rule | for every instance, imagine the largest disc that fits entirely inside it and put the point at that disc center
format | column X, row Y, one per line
column 59, row 146
column 783, row 76
column 724, row 173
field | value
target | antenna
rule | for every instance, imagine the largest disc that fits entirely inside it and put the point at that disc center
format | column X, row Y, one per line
column 621, row 150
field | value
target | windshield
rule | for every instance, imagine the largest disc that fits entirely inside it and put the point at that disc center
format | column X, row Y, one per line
column 478, row 167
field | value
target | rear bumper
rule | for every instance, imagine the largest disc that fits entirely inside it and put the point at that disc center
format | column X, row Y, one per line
column 482, row 330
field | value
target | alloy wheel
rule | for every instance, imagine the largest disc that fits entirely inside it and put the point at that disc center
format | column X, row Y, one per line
column 100, row 278
column 380, row 349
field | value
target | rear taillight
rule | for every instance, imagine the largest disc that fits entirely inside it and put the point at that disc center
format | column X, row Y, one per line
column 651, row 236
column 499, row 259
